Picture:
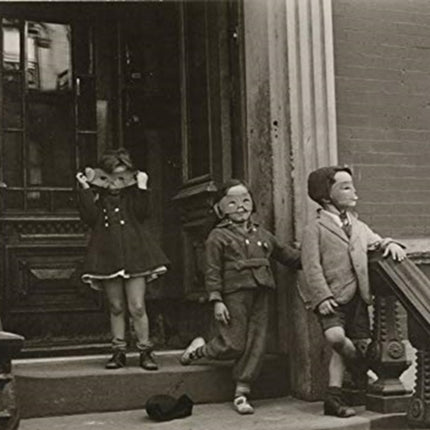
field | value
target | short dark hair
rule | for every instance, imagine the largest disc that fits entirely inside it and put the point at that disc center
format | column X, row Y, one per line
column 321, row 180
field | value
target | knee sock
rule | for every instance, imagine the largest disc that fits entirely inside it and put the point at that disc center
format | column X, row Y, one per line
column 198, row 353
column 242, row 389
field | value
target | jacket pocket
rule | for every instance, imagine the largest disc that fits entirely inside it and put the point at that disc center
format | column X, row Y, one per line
column 338, row 280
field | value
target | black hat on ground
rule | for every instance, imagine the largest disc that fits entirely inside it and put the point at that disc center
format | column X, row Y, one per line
column 321, row 180
column 163, row 407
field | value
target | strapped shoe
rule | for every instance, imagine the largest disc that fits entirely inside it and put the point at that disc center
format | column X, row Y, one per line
column 146, row 360
column 335, row 406
column 242, row 405
column 117, row 361
column 188, row 355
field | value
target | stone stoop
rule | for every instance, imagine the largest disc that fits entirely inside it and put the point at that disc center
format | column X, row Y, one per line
column 81, row 385
column 270, row 414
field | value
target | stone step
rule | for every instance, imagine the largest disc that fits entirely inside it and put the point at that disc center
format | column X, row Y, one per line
column 78, row 385
column 271, row 414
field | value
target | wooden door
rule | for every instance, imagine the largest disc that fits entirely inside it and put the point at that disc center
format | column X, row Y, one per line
column 47, row 132
column 181, row 87
column 161, row 78
column 212, row 127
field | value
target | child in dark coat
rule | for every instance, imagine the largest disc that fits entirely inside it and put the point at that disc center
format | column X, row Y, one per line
column 334, row 259
column 239, row 281
column 122, row 257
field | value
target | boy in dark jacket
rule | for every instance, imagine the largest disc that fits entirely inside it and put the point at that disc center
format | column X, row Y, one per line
column 334, row 258
column 239, row 281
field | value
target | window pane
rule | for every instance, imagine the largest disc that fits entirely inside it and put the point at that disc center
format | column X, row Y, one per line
column 38, row 200
column 11, row 45
column 14, row 200
column 12, row 159
column 12, row 101
column 82, row 41
column 86, row 104
column 64, row 201
column 12, row 94
column 197, row 94
column 87, row 150
column 50, row 150
column 49, row 57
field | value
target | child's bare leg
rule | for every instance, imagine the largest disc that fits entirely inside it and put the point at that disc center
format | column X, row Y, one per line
column 336, row 369
column 343, row 349
column 343, row 345
column 115, row 295
column 135, row 289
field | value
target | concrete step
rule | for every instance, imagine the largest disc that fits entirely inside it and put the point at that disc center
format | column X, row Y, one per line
column 274, row 414
column 78, row 385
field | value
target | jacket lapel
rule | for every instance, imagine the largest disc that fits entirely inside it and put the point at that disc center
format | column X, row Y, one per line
column 354, row 229
column 330, row 224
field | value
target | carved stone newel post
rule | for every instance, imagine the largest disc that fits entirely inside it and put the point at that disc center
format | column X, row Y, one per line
column 387, row 352
column 10, row 345
column 419, row 407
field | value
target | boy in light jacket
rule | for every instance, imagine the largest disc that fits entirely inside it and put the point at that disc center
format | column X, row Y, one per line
column 334, row 260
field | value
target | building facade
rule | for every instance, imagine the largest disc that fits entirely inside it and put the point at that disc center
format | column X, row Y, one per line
column 200, row 92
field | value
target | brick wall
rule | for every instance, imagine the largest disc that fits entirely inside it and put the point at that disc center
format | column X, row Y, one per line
column 382, row 66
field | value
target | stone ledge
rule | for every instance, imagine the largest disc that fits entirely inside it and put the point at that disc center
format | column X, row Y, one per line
column 274, row 414
column 79, row 385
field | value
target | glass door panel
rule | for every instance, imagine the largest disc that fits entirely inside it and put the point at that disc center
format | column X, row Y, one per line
column 49, row 112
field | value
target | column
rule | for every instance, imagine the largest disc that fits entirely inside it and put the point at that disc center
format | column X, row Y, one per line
column 313, row 144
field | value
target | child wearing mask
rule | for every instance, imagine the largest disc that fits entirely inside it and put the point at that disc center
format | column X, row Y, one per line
column 122, row 256
column 239, row 281
column 334, row 259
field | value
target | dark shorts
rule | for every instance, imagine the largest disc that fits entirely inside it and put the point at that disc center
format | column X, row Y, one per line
column 352, row 316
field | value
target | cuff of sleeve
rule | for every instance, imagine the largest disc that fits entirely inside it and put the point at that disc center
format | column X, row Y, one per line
column 85, row 190
column 215, row 296
column 317, row 302
column 386, row 241
column 86, row 193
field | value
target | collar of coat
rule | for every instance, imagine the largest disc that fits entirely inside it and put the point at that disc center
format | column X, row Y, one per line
column 252, row 224
column 327, row 221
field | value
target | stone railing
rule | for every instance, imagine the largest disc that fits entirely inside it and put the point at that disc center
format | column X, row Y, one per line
column 10, row 345
column 399, row 286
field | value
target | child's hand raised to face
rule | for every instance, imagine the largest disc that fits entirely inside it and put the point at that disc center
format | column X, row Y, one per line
column 83, row 180
column 221, row 313
column 142, row 180
column 396, row 251
column 327, row 307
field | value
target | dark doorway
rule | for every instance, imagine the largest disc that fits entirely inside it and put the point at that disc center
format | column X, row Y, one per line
column 162, row 79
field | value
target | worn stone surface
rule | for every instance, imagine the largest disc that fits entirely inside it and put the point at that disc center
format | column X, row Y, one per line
column 274, row 414
column 82, row 385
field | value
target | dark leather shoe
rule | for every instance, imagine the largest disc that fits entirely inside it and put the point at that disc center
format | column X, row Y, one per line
column 147, row 361
column 335, row 406
column 117, row 361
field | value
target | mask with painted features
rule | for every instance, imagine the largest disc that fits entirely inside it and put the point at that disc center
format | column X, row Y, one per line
column 236, row 205
column 118, row 179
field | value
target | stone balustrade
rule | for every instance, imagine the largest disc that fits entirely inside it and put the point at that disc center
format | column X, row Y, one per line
column 396, row 285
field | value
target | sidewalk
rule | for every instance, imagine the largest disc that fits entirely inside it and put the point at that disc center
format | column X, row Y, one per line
column 275, row 414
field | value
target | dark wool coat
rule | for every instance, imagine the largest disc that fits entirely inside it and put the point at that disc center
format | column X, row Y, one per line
column 120, row 239
column 236, row 259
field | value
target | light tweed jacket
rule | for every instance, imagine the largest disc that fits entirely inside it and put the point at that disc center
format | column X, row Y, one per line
column 334, row 265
